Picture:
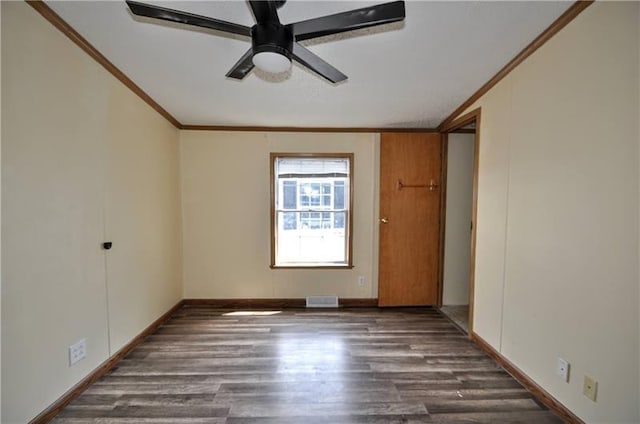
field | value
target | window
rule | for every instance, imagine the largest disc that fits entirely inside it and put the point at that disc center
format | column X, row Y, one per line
column 311, row 210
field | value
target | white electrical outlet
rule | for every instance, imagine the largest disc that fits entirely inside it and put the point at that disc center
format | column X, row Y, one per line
column 361, row 280
column 562, row 369
column 77, row 351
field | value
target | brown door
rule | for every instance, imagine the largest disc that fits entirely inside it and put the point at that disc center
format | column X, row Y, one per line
column 410, row 165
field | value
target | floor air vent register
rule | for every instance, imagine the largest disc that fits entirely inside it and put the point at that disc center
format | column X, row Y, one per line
column 322, row 301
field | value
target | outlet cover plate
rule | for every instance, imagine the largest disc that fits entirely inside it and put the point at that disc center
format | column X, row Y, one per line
column 590, row 387
column 77, row 351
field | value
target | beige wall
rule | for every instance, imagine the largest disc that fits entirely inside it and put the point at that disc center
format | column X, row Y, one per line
column 225, row 192
column 557, row 240
column 75, row 144
column 457, row 245
column 144, row 267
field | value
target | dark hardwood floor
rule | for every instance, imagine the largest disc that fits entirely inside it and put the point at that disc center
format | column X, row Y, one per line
column 307, row 367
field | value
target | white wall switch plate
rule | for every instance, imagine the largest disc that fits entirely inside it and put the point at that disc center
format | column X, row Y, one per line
column 562, row 369
column 77, row 351
column 361, row 280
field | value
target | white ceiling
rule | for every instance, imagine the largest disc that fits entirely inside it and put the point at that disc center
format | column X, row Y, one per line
column 410, row 74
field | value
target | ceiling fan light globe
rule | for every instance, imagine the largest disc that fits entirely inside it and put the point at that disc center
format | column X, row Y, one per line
column 271, row 62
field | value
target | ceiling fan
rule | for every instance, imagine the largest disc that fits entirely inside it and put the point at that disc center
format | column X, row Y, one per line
column 273, row 44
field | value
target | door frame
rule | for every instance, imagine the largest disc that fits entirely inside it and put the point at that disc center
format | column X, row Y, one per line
column 466, row 119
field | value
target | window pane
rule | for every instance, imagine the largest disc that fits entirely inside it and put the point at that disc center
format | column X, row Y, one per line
column 290, row 221
column 289, row 194
column 338, row 195
column 338, row 219
column 326, row 220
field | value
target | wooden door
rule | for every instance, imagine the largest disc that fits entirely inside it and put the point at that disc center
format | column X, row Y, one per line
column 410, row 173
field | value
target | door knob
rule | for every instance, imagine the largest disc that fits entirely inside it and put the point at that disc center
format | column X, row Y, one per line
column 384, row 220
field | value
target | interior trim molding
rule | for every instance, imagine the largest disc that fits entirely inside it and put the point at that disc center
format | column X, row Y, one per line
column 276, row 303
column 88, row 48
column 444, row 165
column 466, row 119
column 564, row 19
column 54, row 409
column 305, row 129
column 464, row 131
column 358, row 303
column 540, row 393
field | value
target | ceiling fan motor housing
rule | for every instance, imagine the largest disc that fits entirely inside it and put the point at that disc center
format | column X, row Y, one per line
column 272, row 38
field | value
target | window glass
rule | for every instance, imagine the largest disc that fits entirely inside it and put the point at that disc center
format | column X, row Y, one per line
column 338, row 194
column 289, row 194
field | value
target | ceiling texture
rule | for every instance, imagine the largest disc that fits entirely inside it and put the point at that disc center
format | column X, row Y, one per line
column 410, row 74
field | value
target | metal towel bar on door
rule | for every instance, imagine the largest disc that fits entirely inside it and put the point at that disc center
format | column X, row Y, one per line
column 432, row 186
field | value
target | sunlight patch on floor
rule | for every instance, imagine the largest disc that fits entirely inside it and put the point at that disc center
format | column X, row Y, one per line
column 250, row 313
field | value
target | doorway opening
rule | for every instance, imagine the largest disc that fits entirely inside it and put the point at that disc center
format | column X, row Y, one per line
column 458, row 225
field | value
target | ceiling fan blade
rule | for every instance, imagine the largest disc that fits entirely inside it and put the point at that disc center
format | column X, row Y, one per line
column 171, row 15
column 242, row 66
column 348, row 21
column 264, row 11
column 317, row 65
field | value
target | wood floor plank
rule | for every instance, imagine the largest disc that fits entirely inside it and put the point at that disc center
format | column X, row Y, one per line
column 511, row 417
column 360, row 366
